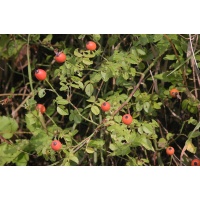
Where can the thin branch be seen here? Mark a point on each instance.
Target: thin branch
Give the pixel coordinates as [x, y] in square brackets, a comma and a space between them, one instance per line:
[136, 87]
[196, 65]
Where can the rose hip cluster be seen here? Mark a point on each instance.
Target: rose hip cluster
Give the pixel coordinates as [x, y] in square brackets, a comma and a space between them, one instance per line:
[41, 75]
[126, 119]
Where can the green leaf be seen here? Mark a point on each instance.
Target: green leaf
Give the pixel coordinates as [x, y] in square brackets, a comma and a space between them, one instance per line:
[123, 150]
[184, 104]
[40, 141]
[141, 52]
[105, 76]
[139, 106]
[157, 37]
[169, 136]
[157, 105]
[41, 92]
[89, 54]
[97, 143]
[80, 84]
[61, 111]
[89, 150]
[147, 128]
[120, 149]
[35, 37]
[7, 135]
[112, 39]
[162, 46]
[162, 143]
[77, 54]
[92, 99]
[132, 72]
[118, 118]
[89, 89]
[170, 57]
[87, 61]
[146, 106]
[193, 134]
[192, 109]
[190, 147]
[14, 46]
[95, 77]
[8, 153]
[22, 159]
[96, 37]
[125, 75]
[192, 121]
[8, 126]
[31, 102]
[74, 116]
[47, 39]
[61, 101]
[146, 143]
[95, 110]
[73, 158]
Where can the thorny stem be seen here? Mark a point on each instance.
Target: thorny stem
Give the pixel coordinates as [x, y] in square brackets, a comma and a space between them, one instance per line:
[52, 87]
[82, 115]
[137, 86]
[29, 66]
[51, 119]
[86, 140]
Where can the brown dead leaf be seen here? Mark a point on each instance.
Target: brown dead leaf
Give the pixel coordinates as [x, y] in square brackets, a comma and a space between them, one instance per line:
[21, 60]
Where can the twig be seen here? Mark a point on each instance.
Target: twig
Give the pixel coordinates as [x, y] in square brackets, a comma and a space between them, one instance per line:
[170, 41]
[29, 66]
[154, 82]
[11, 94]
[23, 102]
[174, 114]
[130, 96]
[182, 153]
[82, 115]
[136, 87]
[196, 66]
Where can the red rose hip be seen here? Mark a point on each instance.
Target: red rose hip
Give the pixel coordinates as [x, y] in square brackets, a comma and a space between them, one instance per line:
[105, 106]
[56, 145]
[127, 119]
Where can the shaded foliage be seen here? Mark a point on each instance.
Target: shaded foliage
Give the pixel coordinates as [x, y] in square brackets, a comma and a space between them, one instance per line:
[134, 73]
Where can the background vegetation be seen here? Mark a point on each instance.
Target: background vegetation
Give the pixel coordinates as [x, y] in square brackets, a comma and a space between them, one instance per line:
[135, 73]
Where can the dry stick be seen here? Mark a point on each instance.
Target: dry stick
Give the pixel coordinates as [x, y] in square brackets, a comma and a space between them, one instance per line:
[170, 41]
[154, 82]
[182, 153]
[193, 67]
[194, 78]
[161, 126]
[11, 94]
[99, 89]
[192, 62]
[23, 102]
[174, 114]
[184, 37]
[4, 140]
